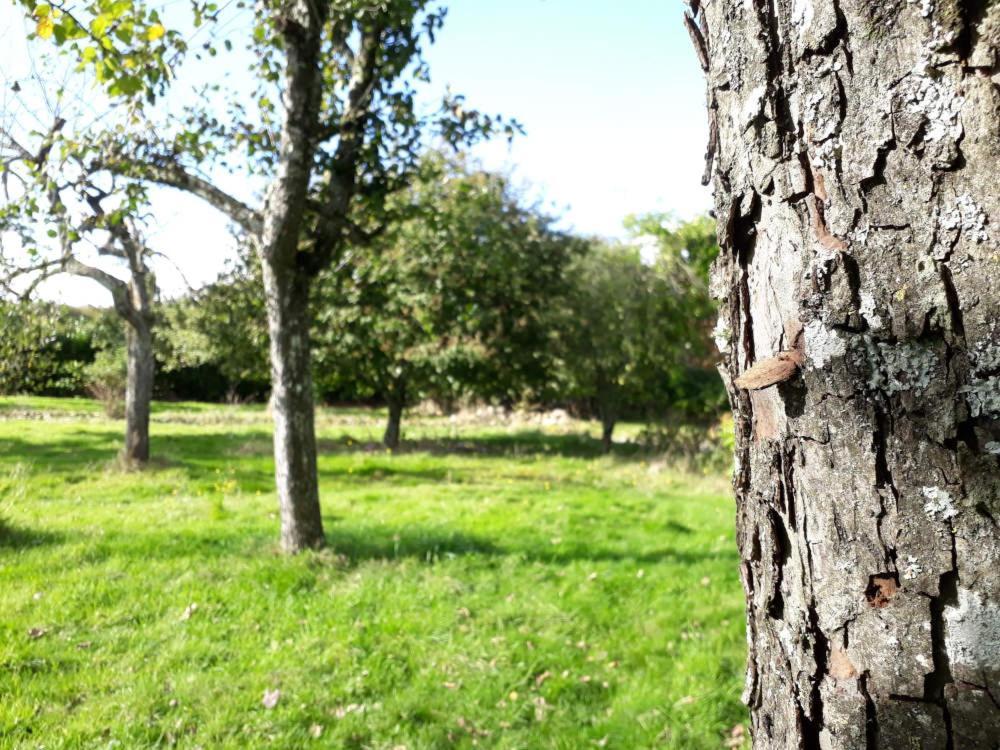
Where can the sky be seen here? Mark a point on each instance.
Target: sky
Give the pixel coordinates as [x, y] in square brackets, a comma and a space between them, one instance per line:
[609, 92]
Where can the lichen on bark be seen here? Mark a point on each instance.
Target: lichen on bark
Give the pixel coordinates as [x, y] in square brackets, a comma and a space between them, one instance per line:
[853, 155]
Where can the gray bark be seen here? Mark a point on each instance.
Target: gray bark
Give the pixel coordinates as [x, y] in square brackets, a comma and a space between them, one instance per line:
[133, 302]
[138, 393]
[287, 283]
[854, 148]
[293, 409]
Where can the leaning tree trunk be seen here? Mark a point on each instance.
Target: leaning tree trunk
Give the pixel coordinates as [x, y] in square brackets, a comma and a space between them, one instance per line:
[287, 294]
[138, 391]
[856, 146]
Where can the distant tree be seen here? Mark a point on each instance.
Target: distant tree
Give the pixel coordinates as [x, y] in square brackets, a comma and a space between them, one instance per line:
[600, 330]
[67, 214]
[43, 349]
[679, 357]
[634, 332]
[332, 130]
[223, 325]
[449, 303]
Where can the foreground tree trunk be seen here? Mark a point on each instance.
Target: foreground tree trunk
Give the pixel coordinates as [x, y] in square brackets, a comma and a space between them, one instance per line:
[855, 152]
[287, 295]
[138, 392]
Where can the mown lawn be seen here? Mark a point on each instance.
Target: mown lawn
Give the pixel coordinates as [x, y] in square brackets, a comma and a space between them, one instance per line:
[495, 587]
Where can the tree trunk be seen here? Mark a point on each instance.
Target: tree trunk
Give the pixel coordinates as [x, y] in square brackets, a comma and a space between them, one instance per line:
[138, 392]
[393, 431]
[856, 146]
[287, 294]
[607, 431]
[397, 402]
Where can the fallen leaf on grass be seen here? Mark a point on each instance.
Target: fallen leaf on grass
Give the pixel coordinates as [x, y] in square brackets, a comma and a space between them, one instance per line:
[188, 611]
[736, 736]
[271, 698]
[36, 633]
[315, 731]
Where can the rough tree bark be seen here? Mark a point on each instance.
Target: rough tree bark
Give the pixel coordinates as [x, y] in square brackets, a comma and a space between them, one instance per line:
[855, 149]
[287, 295]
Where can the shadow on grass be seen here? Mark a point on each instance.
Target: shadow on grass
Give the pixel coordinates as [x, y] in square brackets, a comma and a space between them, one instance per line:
[363, 544]
[355, 545]
[17, 537]
[248, 453]
[509, 445]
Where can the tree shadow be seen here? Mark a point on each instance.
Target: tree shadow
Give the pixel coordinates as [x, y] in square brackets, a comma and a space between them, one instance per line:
[361, 544]
[520, 443]
[18, 537]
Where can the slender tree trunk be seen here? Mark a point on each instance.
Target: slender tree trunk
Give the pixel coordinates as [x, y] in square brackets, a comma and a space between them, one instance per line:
[607, 431]
[287, 294]
[138, 392]
[856, 146]
[397, 402]
[393, 430]
[608, 412]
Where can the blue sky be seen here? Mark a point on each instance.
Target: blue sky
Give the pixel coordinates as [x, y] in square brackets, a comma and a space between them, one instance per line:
[609, 92]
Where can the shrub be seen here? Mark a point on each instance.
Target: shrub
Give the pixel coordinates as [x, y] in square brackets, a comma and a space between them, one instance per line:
[106, 378]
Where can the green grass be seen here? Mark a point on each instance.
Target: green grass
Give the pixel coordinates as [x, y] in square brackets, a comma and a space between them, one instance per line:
[499, 587]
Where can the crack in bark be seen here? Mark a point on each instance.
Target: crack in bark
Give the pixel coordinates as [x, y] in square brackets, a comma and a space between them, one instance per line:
[936, 681]
[871, 714]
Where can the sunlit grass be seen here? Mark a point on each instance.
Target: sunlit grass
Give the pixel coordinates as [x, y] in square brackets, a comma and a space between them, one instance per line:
[498, 587]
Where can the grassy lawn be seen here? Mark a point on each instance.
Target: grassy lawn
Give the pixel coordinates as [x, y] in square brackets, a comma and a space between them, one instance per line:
[495, 587]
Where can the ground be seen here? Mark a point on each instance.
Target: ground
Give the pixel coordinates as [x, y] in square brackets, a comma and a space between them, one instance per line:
[492, 586]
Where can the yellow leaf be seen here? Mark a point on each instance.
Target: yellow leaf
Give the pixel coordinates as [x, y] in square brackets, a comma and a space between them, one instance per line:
[155, 31]
[45, 27]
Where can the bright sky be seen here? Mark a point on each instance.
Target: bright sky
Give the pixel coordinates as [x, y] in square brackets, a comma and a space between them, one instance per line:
[609, 92]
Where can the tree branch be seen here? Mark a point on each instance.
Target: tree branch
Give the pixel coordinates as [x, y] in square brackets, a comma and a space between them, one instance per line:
[171, 174]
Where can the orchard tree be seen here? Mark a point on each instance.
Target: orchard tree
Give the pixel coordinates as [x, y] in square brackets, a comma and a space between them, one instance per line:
[452, 302]
[678, 358]
[223, 325]
[60, 210]
[600, 330]
[853, 151]
[43, 348]
[332, 130]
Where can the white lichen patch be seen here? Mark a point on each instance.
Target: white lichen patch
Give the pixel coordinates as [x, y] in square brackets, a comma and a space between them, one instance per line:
[938, 103]
[939, 506]
[983, 396]
[802, 15]
[972, 631]
[967, 217]
[868, 312]
[926, 7]
[901, 367]
[912, 568]
[722, 334]
[823, 345]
